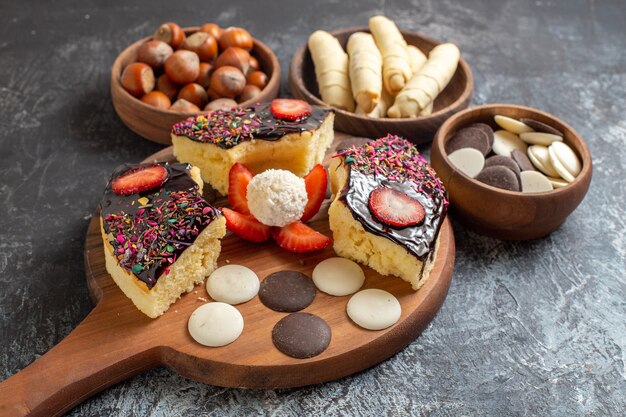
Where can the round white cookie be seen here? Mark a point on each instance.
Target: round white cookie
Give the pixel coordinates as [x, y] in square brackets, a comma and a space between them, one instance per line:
[469, 161]
[374, 309]
[215, 324]
[232, 284]
[534, 182]
[562, 155]
[512, 125]
[538, 155]
[338, 276]
[540, 138]
[504, 142]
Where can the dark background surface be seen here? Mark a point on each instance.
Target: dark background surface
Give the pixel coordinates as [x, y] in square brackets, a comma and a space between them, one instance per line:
[528, 328]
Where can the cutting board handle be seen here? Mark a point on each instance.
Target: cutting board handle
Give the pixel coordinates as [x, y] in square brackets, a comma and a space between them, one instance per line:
[87, 361]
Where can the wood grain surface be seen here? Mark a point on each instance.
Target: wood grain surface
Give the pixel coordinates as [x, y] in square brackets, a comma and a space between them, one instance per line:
[454, 97]
[116, 341]
[155, 124]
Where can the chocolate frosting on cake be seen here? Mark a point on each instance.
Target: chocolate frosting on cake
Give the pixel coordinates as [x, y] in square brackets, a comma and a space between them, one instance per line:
[150, 230]
[228, 128]
[395, 163]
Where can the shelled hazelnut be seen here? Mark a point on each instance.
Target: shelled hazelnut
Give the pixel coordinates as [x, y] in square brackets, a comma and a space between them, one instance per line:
[189, 72]
[138, 79]
[228, 81]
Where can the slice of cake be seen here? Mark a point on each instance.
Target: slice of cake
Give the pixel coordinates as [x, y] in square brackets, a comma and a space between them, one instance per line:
[388, 208]
[284, 134]
[160, 236]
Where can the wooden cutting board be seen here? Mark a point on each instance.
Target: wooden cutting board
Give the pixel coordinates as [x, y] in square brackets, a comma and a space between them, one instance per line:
[116, 341]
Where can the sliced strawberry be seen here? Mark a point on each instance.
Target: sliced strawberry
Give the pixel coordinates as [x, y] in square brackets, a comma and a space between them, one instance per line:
[246, 226]
[238, 178]
[315, 182]
[140, 179]
[395, 208]
[298, 237]
[290, 109]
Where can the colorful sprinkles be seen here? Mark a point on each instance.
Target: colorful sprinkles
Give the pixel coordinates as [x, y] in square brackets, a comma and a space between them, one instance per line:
[397, 160]
[149, 232]
[228, 128]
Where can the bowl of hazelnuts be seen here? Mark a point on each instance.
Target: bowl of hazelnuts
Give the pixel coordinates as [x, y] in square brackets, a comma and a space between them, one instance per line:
[178, 72]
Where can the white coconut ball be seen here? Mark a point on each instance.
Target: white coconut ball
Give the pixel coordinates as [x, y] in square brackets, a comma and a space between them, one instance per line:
[277, 197]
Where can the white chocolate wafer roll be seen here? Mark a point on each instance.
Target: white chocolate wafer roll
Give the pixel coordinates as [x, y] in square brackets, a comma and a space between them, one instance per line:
[331, 70]
[429, 81]
[366, 65]
[386, 100]
[417, 59]
[393, 48]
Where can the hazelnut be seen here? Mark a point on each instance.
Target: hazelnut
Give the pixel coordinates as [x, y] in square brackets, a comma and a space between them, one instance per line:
[234, 57]
[138, 79]
[183, 67]
[204, 78]
[212, 95]
[183, 106]
[249, 92]
[194, 93]
[154, 53]
[221, 104]
[157, 99]
[228, 81]
[167, 86]
[254, 64]
[213, 29]
[234, 36]
[257, 78]
[202, 43]
[171, 34]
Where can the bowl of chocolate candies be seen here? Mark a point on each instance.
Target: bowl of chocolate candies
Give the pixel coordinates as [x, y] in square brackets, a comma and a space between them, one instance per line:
[177, 72]
[511, 172]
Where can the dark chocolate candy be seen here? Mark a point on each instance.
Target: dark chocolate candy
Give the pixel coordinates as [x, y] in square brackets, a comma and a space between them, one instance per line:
[469, 137]
[502, 160]
[287, 291]
[485, 128]
[499, 176]
[522, 160]
[540, 126]
[301, 335]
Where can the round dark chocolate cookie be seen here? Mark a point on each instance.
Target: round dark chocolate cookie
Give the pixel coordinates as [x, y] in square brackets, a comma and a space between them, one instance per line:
[501, 160]
[301, 335]
[540, 126]
[485, 128]
[287, 291]
[469, 137]
[499, 176]
[522, 160]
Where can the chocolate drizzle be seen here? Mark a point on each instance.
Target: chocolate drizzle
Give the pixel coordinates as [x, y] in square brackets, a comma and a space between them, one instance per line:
[149, 231]
[228, 128]
[395, 163]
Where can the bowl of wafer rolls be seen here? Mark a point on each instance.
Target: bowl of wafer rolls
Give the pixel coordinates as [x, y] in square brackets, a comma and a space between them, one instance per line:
[380, 79]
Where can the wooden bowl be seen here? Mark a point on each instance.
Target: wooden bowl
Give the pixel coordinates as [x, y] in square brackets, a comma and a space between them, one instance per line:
[454, 97]
[500, 213]
[155, 124]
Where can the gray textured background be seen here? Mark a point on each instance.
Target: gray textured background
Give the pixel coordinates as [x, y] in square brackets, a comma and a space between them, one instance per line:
[530, 328]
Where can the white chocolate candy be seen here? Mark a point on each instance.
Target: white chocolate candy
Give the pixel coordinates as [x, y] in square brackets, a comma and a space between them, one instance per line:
[232, 284]
[215, 324]
[374, 309]
[557, 182]
[540, 138]
[538, 155]
[469, 161]
[567, 158]
[504, 142]
[534, 182]
[512, 125]
[338, 276]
